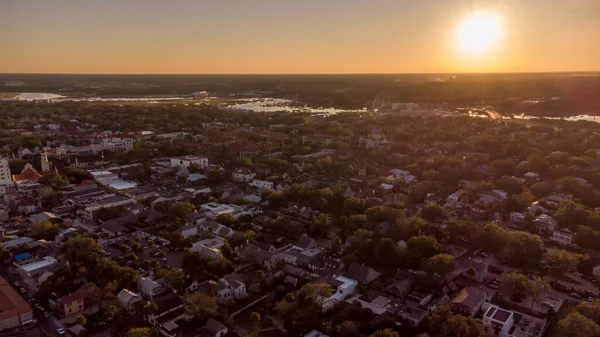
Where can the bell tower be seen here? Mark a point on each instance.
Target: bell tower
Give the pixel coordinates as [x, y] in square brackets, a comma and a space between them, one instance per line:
[45, 163]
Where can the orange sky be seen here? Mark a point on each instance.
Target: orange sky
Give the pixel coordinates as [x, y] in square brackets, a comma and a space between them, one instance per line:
[286, 36]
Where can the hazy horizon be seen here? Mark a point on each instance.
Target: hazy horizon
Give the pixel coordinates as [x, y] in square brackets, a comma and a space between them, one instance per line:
[270, 37]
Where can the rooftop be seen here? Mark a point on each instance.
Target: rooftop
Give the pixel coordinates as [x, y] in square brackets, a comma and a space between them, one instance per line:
[11, 303]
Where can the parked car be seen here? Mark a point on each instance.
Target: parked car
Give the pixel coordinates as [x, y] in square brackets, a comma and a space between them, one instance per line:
[575, 295]
[46, 314]
[61, 331]
[23, 290]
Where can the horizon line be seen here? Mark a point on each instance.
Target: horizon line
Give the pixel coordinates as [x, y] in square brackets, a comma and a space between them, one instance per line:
[311, 74]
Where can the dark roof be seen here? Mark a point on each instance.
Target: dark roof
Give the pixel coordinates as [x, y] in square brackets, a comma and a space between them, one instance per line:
[305, 242]
[213, 326]
[168, 302]
[501, 315]
[469, 296]
[120, 224]
[362, 274]
[153, 214]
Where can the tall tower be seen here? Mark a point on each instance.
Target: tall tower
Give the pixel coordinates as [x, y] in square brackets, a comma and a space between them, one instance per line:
[45, 163]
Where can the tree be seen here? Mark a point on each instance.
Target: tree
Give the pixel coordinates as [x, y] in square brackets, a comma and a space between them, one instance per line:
[443, 323]
[202, 306]
[175, 278]
[44, 230]
[540, 189]
[525, 249]
[432, 212]
[577, 325]
[139, 332]
[226, 219]
[179, 209]
[81, 250]
[440, 264]
[420, 247]
[385, 333]
[560, 261]
[471, 272]
[511, 283]
[112, 310]
[348, 329]
[494, 237]
[354, 206]
[149, 308]
[81, 320]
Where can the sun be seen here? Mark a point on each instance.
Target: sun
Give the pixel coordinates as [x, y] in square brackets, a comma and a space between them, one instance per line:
[479, 32]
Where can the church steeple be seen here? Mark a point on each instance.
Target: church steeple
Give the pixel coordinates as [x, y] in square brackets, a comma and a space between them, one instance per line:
[45, 163]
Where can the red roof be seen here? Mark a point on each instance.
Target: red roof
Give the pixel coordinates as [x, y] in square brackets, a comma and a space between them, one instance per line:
[27, 174]
[11, 303]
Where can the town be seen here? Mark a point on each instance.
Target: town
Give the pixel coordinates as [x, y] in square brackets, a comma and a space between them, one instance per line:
[151, 220]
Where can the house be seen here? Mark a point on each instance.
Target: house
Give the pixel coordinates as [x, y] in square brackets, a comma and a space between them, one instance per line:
[401, 285]
[343, 288]
[498, 322]
[35, 271]
[213, 328]
[305, 242]
[563, 236]
[243, 175]
[231, 287]
[479, 265]
[195, 218]
[223, 231]
[77, 331]
[69, 304]
[262, 184]
[469, 300]
[362, 274]
[186, 161]
[375, 301]
[545, 223]
[128, 299]
[14, 310]
[150, 288]
[171, 316]
[455, 197]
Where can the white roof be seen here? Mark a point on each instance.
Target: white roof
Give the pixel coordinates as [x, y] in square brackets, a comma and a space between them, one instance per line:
[47, 261]
[16, 242]
[128, 296]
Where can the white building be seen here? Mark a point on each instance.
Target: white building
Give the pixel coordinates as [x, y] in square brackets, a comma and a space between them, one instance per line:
[262, 184]
[455, 197]
[6, 183]
[213, 209]
[344, 287]
[149, 288]
[186, 161]
[498, 322]
[118, 144]
[562, 236]
[243, 176]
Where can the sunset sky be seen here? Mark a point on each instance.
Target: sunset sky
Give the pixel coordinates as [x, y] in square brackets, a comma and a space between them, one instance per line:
[293, 36]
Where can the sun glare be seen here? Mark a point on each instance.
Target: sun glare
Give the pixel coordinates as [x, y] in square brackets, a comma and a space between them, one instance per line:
[479, 32]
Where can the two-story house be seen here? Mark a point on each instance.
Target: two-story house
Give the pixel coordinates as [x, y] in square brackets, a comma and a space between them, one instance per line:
[149, 288]
[243, 175]
[563, 236]
[230, 288]
[469, 300]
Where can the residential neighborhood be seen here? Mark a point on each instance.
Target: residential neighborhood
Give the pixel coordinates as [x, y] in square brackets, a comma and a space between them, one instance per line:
[296, 225]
